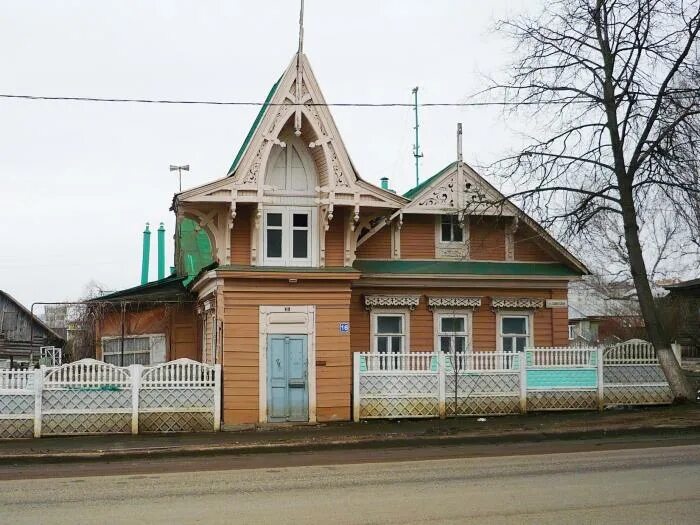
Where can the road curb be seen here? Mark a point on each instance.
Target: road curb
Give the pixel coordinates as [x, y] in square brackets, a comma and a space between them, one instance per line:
[339, 444]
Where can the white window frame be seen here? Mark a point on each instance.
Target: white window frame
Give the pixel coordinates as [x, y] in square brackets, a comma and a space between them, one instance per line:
[572, 332]
[528, 315]
[453, 218]
[451, 249]
[406, 314]
[153, 357]
[287, 229]
[439, 313]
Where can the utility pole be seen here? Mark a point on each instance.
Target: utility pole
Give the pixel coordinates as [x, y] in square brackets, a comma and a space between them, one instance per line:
[416, 147]
[179, 170]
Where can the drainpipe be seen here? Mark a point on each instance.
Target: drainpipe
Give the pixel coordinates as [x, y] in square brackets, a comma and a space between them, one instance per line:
[146, 254]
[161, 251]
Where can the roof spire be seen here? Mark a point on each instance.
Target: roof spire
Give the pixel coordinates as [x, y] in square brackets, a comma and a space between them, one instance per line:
[297, 112]
[459, 142]
[301, 31]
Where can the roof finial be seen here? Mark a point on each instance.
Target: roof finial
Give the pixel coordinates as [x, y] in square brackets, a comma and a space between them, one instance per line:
[459, 142]
[301, 30]
[298, 101]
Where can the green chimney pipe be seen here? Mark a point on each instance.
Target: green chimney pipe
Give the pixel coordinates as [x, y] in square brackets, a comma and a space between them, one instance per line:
[384, 182]
[161, 251]
[146, 254]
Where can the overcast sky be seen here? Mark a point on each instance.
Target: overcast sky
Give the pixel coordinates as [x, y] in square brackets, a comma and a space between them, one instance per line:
[79, 180]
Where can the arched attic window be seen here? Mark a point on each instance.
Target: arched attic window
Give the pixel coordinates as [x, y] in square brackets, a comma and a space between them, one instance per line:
[291, 168]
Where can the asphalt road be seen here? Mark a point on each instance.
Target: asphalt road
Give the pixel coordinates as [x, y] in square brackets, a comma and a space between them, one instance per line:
[636, 485]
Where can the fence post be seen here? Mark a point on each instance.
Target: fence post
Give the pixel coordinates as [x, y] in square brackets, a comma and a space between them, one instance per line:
[356, 387]
[217, 397]
[522, 364]
[442, 379]
[38, 392]
[135, 373]
[600, 356]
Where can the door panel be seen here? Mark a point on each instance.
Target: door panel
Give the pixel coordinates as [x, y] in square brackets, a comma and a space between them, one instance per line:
[288, 395]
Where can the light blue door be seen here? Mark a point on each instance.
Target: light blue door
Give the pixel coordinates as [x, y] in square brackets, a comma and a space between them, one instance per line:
[287, 385]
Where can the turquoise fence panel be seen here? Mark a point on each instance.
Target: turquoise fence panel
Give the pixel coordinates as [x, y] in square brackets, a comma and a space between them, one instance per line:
[363, 364]
[562, 378]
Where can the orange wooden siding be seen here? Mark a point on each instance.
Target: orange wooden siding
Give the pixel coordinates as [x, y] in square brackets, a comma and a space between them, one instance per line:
[376, 247]
[177, 323]
[528, 246]
[240, 236]
[487, 238]
[418, 237]
[242, 299]
[550, 324]
[335, 240]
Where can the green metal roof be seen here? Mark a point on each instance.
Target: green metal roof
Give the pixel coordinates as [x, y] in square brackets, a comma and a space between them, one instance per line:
[256, 122]
[417, 189]
[516, 269]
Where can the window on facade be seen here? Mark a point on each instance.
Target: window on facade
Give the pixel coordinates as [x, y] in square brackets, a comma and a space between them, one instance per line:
[137, 351]
[515, 333]
[288, 237]
[451, 229]
[572, 332]
[288, 171]
[389, 333]
[452, 333]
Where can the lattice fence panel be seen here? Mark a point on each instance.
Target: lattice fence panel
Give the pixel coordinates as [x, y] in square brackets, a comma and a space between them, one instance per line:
[631, 374]
[562, 400]
[17, 404]
[86, 399]
[16, 428]
[468, 384]
[399, 407]
[385, 384]
[480, 406]
[110, 423]
[86, 411]
[638, 395]
[176, 421]
[174, 409]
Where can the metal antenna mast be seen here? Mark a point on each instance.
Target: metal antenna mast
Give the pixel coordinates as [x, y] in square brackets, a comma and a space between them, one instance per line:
[416, 147]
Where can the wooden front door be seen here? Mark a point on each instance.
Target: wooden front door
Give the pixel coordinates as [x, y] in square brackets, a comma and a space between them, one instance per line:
[287, 385]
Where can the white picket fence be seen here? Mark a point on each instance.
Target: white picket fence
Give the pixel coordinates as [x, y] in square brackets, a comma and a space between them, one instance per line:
[427, 384]
[91, 397]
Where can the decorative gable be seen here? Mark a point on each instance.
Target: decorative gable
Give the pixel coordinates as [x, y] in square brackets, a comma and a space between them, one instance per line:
[455, 189]
[295, 102]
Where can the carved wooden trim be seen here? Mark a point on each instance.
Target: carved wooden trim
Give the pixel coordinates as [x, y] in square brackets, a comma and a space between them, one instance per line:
[392, 301]
[516, 302]
[454, 302]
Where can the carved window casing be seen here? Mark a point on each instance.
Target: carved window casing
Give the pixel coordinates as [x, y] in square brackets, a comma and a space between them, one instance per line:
[451, 237]
[516, 302]
[391, 301]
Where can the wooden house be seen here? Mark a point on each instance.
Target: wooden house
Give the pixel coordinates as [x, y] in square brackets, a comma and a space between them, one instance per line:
[313, 263]
[22, 333]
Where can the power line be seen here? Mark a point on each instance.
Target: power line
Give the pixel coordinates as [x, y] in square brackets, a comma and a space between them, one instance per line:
[251, 103]
[560, 102]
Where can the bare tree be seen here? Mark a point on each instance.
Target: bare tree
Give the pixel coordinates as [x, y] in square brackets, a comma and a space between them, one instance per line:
[607, 84]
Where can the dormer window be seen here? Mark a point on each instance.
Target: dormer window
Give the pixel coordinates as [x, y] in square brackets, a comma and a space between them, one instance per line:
[451, 229]
[451, 237]
[287, 236]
